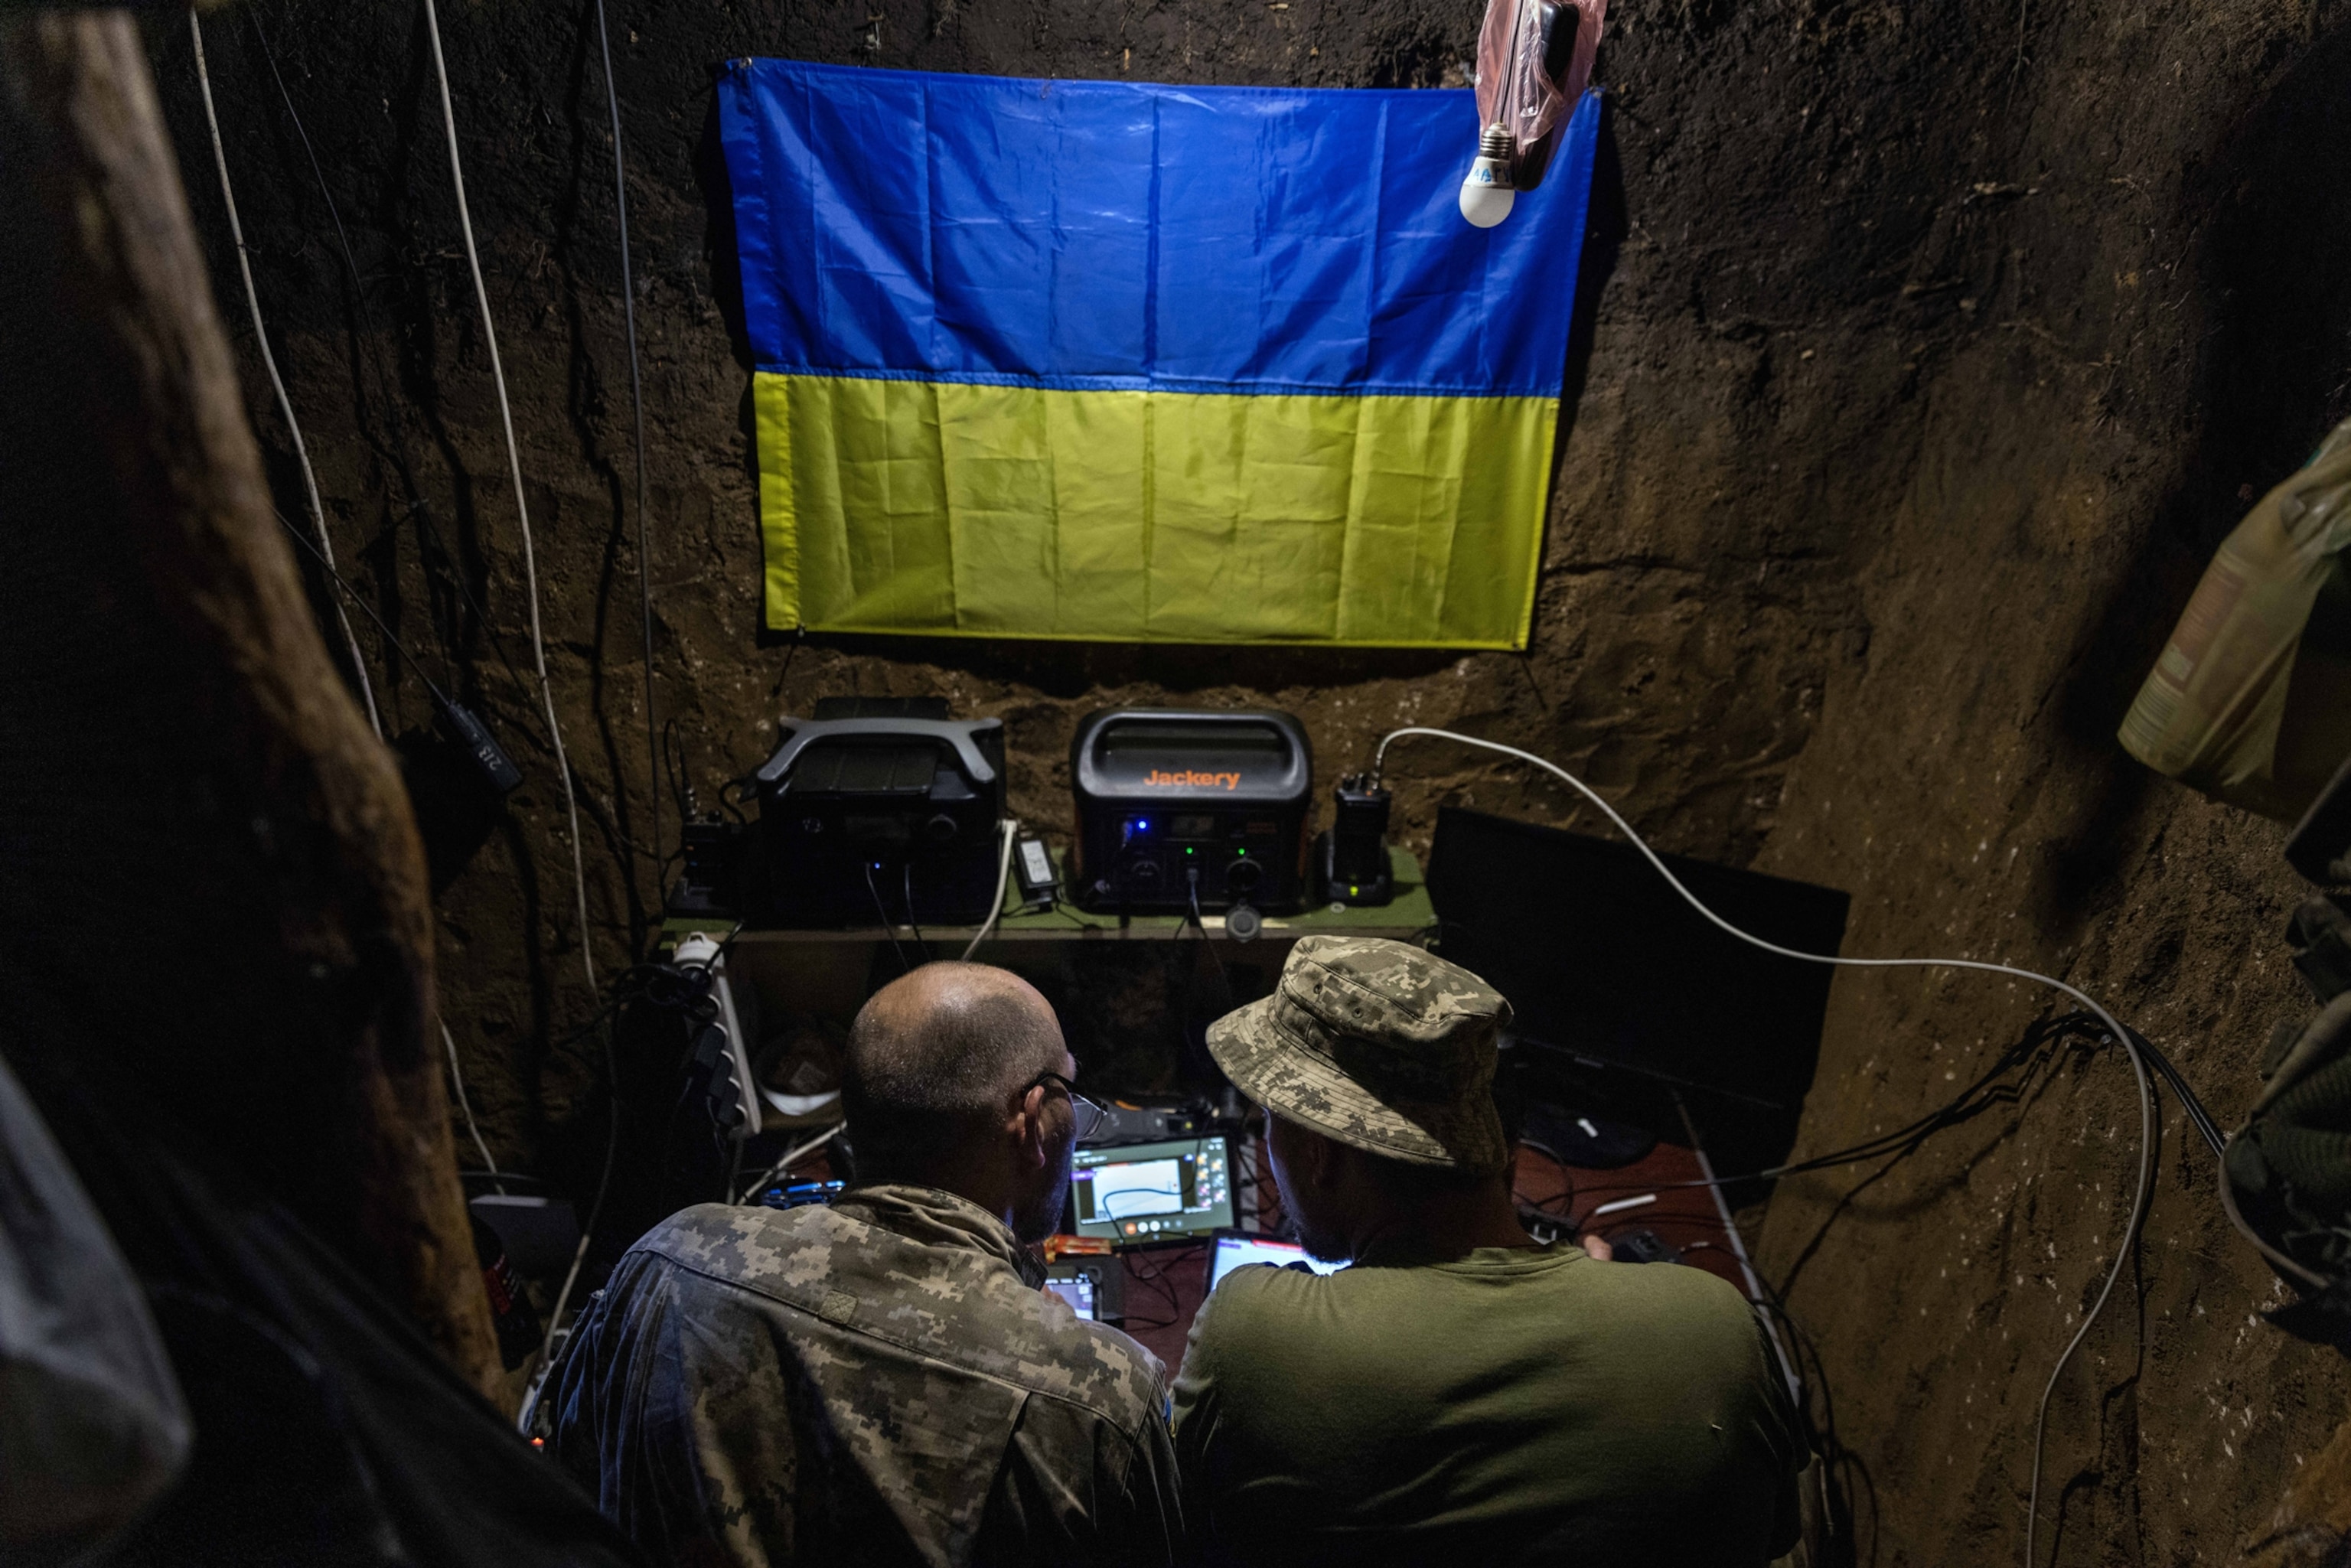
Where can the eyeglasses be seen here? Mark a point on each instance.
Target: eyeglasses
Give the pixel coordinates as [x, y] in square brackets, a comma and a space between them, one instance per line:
[1091, 1114]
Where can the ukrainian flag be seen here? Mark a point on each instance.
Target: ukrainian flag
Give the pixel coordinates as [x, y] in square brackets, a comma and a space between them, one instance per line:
[1127, 362]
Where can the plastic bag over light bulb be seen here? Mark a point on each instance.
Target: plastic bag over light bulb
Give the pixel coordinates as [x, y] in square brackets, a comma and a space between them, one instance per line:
[1533, 60]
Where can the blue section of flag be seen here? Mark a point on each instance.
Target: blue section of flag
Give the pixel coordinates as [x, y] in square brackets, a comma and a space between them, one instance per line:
[1110, 236]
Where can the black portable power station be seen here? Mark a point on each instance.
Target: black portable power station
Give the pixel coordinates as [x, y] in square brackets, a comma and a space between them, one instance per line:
[1176, 805]
[878, 811]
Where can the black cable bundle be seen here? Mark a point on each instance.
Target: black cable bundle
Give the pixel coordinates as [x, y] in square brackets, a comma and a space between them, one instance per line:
[2031, 1052]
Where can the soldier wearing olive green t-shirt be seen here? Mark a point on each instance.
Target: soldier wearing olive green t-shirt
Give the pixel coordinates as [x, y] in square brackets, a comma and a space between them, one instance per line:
[1460, 1394]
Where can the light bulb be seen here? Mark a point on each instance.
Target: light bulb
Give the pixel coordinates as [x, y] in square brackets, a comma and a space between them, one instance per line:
[1486, 194]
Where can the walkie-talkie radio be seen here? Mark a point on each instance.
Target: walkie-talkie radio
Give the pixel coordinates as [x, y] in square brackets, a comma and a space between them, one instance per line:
[1351, 857]
[1186, 807]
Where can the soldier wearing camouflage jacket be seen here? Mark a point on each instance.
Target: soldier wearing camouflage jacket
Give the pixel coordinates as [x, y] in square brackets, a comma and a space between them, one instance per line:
[883, 1381]
[871, 1382]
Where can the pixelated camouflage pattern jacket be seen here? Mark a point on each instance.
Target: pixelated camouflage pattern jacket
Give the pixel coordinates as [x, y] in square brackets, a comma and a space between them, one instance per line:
[870, 1383]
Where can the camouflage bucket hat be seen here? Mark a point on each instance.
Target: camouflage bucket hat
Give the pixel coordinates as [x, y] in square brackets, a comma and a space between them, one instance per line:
[1377, 1044]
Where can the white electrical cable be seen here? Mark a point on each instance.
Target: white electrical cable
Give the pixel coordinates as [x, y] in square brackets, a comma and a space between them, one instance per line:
[2146, 1107]
[637, 402]
[791, 1157]
[457, 1077]
[563, 1297]
[1756, 1295]
[1621, 1205]
[1011, 830]
[269, 363]
[522, 506]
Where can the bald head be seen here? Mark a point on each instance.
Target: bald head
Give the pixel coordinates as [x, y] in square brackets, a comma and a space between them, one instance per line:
[934, 1056]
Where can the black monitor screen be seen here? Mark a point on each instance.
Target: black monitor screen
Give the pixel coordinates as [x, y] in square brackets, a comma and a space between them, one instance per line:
[1601, 958]
[1140, 1193]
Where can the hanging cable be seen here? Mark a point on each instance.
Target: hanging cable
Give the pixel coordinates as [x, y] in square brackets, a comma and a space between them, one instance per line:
[1224, 977]
[428, 537]
[363, 363]
[342, 583]
[906, 886]
[595, 1210]
[889, 927]
[2128, 1042]
[2028, 1053]
[522, 506]
[269, 363]
[637, 403]
[2198, 1116]
[1738, 1247]
[1010, 831]
[457, 1077]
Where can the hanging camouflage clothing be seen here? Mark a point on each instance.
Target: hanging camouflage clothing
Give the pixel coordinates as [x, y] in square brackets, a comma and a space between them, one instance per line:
[2286, 1180]
[871, 1382]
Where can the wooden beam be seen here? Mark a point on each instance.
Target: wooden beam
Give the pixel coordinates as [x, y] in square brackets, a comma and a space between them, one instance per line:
[260, 892]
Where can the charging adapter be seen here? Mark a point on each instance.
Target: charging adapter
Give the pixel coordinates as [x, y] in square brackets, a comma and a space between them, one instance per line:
[1032, 864]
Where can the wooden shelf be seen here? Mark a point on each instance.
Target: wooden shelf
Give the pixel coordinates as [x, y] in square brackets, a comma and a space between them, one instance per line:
[1406, 918]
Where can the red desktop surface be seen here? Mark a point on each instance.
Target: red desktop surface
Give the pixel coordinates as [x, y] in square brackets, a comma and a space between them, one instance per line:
[1164, 1286]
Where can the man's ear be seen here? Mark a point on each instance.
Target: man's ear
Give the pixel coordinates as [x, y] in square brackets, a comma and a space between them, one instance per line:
[1324, 1159]
[1028, 1128]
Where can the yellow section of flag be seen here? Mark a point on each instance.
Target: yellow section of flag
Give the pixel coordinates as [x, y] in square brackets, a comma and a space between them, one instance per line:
[948, 508]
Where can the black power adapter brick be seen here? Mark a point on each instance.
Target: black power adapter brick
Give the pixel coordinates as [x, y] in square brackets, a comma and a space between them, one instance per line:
[1351, 858]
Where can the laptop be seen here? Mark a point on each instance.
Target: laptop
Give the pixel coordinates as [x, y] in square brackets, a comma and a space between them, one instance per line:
[1240, 1248]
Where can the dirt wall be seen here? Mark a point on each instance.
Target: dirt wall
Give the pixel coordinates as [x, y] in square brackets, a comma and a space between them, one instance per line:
[1928, 352]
